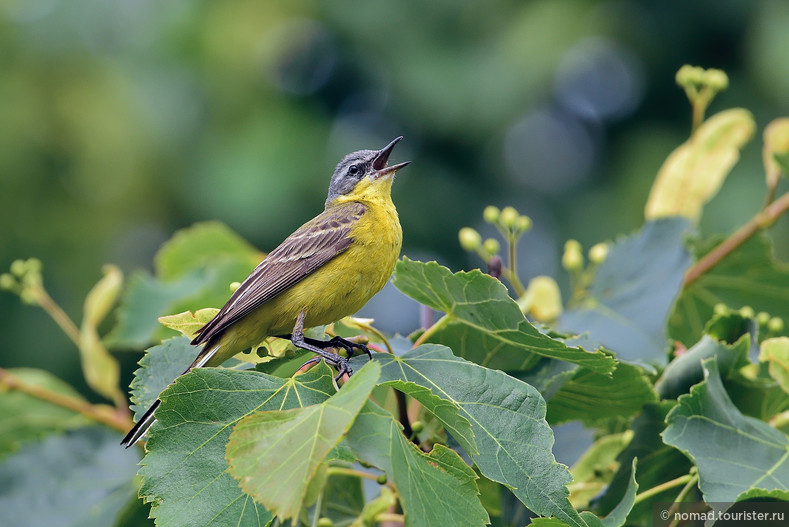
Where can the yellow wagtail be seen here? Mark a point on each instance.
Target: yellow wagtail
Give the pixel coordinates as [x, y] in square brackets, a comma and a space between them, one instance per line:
[328, 269]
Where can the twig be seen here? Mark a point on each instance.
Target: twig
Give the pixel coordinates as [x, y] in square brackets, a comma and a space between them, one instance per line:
[763, 219]
[657, 489]
[96, 413]
[681, 496]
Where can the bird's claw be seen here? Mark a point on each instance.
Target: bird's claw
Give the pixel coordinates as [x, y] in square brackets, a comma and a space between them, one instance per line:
[349, 346]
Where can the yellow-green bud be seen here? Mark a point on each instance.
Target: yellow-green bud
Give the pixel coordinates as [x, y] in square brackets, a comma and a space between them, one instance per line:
[417, 427]
[509, 217]
[325, 522]
[598, 253]
[747, 312]
[470, 239]
[234, 286]
[573, 258]
[7, 281]
[720, 309]
[688, 75]
[491, 214]
[18, 267]
[716, 79]
[776, 325]
[542, 299]
[29, 296]
[763, 318]
[381, 479]
[491, 246]
[524, 223]
[33, 265]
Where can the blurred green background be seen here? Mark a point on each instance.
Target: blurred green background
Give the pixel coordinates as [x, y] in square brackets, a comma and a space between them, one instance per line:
[122, 121]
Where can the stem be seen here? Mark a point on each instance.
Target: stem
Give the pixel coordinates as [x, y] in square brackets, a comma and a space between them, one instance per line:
[681, 497]
[662, 487]
[96, 413]
[318, 505]
[443, 321]
[390, 517]
[344, 471]
[763, 219]
[512, 271]
[58, 315]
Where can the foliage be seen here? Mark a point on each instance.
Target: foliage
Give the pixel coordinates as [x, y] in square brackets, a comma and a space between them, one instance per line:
[671, 348]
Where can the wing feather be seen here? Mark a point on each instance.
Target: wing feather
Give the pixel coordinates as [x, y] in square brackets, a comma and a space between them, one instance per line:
[311, 246]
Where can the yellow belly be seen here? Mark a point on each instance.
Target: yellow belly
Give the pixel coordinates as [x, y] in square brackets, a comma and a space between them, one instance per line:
[339, 288]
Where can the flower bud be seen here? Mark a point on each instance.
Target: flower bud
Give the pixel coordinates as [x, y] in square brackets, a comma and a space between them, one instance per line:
[689, 75]
[325, 522]
[542, 299]
[776, 325]
[716, 79]
[573, 258]
[747, 312]
[18, 267]
[491, 214]
[491, 246]
[494, 266]
[524, 223]
[763, 317]
[509, 217]
[7, 281]
[720, 309]
[470, 239]
[417, 427]
[381, 480]
[234, 286]
[598, 253]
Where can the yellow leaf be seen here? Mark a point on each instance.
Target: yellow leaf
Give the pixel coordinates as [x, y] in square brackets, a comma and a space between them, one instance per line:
[695, 171]
[776, 141]
[101, 370]
[775, 352]
[542, 299]
[187, 322]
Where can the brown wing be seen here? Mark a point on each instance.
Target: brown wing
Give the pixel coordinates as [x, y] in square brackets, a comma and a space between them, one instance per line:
[311, 246]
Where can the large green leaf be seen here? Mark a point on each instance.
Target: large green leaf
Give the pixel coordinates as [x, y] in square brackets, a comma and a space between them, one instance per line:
[185, 472]
[200, 245]
[734, 453]
[275, 454]
[592, 397]
[343, 499]
[480, 312]
[79, 479]
[25, 418]
[507, 417]
[437, 488]
[750, 275]
[627, 306]
[194, 270]
[158, 368]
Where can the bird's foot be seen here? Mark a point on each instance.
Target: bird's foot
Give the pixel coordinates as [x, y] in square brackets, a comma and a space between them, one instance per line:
[340, 364]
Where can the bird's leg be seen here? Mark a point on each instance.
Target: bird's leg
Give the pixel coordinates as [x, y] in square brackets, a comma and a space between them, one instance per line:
[298, 340]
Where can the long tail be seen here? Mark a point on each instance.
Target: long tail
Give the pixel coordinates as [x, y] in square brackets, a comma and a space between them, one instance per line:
[147, 419]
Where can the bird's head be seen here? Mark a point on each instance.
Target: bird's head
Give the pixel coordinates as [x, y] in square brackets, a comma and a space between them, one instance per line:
[364, 172]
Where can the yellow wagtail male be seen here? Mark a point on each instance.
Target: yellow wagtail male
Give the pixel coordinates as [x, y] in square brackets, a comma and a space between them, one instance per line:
[328, 269]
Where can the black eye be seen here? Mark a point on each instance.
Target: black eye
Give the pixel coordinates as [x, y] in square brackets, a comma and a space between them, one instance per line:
[354, 170]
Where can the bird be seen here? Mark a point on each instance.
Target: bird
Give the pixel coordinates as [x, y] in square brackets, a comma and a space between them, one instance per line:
[327, 269]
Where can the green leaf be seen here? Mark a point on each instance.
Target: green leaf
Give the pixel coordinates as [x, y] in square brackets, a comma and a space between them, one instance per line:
[685, 371]
[447, 412]
[593, 397]
[502, 412]
[185, 472]
[188, 323]
[734, 453]
[480, 311]
[200, 245]
[435, 489]
[750, 275]
[776, 353]
[343, 499]
[194, 270]
[79, 479]
[595, 468]
[627, 306]
[274, 454]
[25, 418]
[657, 463]
[158, 368]
[618, 516]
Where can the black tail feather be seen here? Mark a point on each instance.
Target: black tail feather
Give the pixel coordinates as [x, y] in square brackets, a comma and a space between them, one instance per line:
[141, 427]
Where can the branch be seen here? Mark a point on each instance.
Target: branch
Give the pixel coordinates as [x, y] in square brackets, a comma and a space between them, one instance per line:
[99, 414]
[763, 219]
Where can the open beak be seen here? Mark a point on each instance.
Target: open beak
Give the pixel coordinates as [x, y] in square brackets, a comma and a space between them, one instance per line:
[379, 163]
